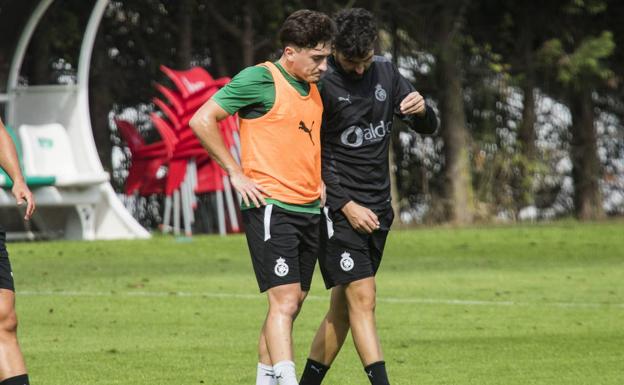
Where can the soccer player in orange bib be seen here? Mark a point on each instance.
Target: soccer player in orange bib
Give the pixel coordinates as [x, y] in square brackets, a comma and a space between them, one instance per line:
[362, 93]
[279, 178]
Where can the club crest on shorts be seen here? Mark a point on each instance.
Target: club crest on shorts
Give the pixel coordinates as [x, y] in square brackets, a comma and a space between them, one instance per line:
[346, 262]
[380, 93]
[281, 268]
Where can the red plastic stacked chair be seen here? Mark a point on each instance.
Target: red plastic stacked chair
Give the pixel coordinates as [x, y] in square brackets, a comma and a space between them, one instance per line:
[191, 170]
[147, 159]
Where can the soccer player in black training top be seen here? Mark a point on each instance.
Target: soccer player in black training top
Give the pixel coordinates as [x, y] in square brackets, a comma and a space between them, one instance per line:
[12, 367]
[361, 93]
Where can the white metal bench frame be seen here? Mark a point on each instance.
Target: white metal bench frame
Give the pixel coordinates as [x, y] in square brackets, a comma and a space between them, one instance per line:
[99, 212]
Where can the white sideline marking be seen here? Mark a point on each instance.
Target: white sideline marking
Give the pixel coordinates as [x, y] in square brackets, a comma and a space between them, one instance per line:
[429, 301]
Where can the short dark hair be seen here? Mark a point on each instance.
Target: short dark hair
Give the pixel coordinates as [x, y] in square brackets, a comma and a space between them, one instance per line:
[306, 29]
[357, 32]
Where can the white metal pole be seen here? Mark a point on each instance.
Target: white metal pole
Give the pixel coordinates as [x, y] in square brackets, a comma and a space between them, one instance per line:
[229, 199]
[176, 212]
[166, 225]
[20, 53]
[220, 213]
[84, 64]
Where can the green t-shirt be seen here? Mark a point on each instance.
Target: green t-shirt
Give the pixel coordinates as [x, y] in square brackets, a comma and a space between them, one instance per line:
[251, 93]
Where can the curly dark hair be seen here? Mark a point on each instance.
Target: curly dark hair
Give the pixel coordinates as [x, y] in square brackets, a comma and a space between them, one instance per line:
[306, 29]
[357, 32]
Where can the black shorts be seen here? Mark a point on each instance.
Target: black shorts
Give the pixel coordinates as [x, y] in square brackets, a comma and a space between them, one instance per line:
[283, 245]
[6, 274]
[347, 255]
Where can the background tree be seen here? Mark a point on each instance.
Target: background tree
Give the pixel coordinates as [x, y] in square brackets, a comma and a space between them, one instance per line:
[530, 102]
[577, 60]
[448, 20]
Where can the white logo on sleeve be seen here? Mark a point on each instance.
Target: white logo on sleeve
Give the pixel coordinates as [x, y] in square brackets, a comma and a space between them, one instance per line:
[346, 263]
[343, 99]
[281, 268]
[380, 93]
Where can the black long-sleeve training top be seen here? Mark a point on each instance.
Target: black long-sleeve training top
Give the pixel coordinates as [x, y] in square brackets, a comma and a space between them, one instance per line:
[355, 135]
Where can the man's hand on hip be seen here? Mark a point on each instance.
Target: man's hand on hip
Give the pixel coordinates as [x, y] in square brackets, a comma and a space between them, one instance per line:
[362, 219]
[248, 189]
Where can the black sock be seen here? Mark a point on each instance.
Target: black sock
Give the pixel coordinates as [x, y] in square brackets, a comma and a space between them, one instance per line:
[376, 373]
[22, 379]
[313, 373]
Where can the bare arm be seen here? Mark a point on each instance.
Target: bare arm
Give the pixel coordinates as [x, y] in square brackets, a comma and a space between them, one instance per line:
[205, 126]
[10, 163]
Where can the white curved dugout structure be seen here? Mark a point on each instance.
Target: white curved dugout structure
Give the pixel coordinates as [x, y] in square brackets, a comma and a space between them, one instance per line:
[87, 206]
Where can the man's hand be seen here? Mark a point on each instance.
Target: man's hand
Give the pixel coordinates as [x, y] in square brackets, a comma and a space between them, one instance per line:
[362, 219]
[22, 195]
[248, 189]
[323, 194]
[413, 104]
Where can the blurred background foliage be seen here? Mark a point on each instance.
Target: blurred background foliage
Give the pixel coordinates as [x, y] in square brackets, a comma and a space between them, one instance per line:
[529, 94]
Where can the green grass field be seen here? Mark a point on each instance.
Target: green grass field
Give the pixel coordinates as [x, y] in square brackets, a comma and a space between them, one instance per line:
[539, 304]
